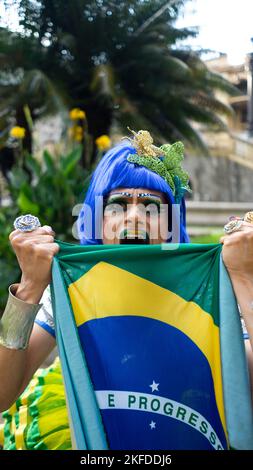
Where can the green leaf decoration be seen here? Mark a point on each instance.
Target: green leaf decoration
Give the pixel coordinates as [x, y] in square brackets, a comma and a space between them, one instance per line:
[174, 154]
[183, 175]
[168, 167]
[179, 190]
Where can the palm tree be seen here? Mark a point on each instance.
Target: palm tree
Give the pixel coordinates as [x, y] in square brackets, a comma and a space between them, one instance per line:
[26, 92]
[118, 60]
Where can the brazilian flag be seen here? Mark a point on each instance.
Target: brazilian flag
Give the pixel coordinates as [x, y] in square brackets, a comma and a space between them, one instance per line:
[151, 348]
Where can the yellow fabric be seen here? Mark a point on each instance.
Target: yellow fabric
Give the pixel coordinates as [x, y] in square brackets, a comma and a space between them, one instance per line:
[12, 412]
[2, 434]
[23, 414]
[19, 433]
[58, 440]
[39, 420]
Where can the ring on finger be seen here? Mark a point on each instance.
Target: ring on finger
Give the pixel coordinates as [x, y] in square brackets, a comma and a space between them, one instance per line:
[248, 217]
[233, 226]
[26, 223]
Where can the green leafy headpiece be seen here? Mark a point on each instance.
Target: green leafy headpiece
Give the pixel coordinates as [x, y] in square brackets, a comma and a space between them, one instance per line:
[166, 161]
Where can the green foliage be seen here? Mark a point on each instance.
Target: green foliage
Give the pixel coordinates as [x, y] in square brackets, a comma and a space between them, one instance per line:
[120, 61]
[9, 269]
[211, 238]
[57, 185]
[50, 191]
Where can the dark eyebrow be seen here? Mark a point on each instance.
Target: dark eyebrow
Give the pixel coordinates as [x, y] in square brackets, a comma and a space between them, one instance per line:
[115, 198]
[150, 200]
[126, 199]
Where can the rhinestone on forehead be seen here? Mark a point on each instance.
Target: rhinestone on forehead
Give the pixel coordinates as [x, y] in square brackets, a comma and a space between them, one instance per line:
[147, 194]
[122, 194]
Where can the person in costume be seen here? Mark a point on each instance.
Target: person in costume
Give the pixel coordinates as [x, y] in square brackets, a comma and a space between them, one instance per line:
[132, 183]
[126, 172]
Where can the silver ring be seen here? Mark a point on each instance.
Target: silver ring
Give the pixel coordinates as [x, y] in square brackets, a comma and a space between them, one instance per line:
[26, 223]
[233, 226]
[248, 217]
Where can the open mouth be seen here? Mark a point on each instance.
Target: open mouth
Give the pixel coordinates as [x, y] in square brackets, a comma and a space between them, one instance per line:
[134, 237]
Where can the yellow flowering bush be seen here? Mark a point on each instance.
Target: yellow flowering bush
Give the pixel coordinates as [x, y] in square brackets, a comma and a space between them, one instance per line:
[76, 133]
[79, 132]
[17, 132]
[103, 142]
[77, 113]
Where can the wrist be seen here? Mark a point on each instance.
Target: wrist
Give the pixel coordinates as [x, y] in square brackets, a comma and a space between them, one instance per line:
[28, 292]
[17, 321]
[241, 279]
[243, 289]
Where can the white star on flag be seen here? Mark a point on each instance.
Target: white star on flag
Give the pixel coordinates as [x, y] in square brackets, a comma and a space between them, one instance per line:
[154, 387]
[152, 425]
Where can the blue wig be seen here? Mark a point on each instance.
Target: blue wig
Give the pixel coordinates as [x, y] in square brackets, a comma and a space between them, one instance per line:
[114, 171]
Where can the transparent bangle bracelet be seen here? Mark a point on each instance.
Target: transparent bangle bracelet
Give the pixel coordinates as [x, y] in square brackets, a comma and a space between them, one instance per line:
[17, 322]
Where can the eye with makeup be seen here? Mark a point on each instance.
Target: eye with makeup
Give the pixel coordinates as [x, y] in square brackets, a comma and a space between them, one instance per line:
[152, 208]
[115, 207]
[149, 206]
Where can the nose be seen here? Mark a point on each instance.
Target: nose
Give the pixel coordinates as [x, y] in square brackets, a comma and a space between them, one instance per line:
[135, 215]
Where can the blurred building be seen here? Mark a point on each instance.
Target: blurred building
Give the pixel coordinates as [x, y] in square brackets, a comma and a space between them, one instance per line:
[227, 174]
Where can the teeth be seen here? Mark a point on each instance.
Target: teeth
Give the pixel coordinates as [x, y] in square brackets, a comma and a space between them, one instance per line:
[134, 234]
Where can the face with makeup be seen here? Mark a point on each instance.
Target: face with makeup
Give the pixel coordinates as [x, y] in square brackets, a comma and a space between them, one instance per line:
[135, 216]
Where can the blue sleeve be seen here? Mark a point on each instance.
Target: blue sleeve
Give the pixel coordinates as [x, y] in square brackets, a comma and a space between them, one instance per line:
[44, 317]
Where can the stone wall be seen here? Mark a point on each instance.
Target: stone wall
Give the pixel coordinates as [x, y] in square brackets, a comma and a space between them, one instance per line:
[216, 178]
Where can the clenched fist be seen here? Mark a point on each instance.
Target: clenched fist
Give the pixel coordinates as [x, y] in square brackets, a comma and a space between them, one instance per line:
[35, 251]
[237, 252]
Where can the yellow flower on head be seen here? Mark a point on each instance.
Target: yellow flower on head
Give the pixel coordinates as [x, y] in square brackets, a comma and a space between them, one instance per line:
[103, 142]
[76, 114]
[17, 132]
